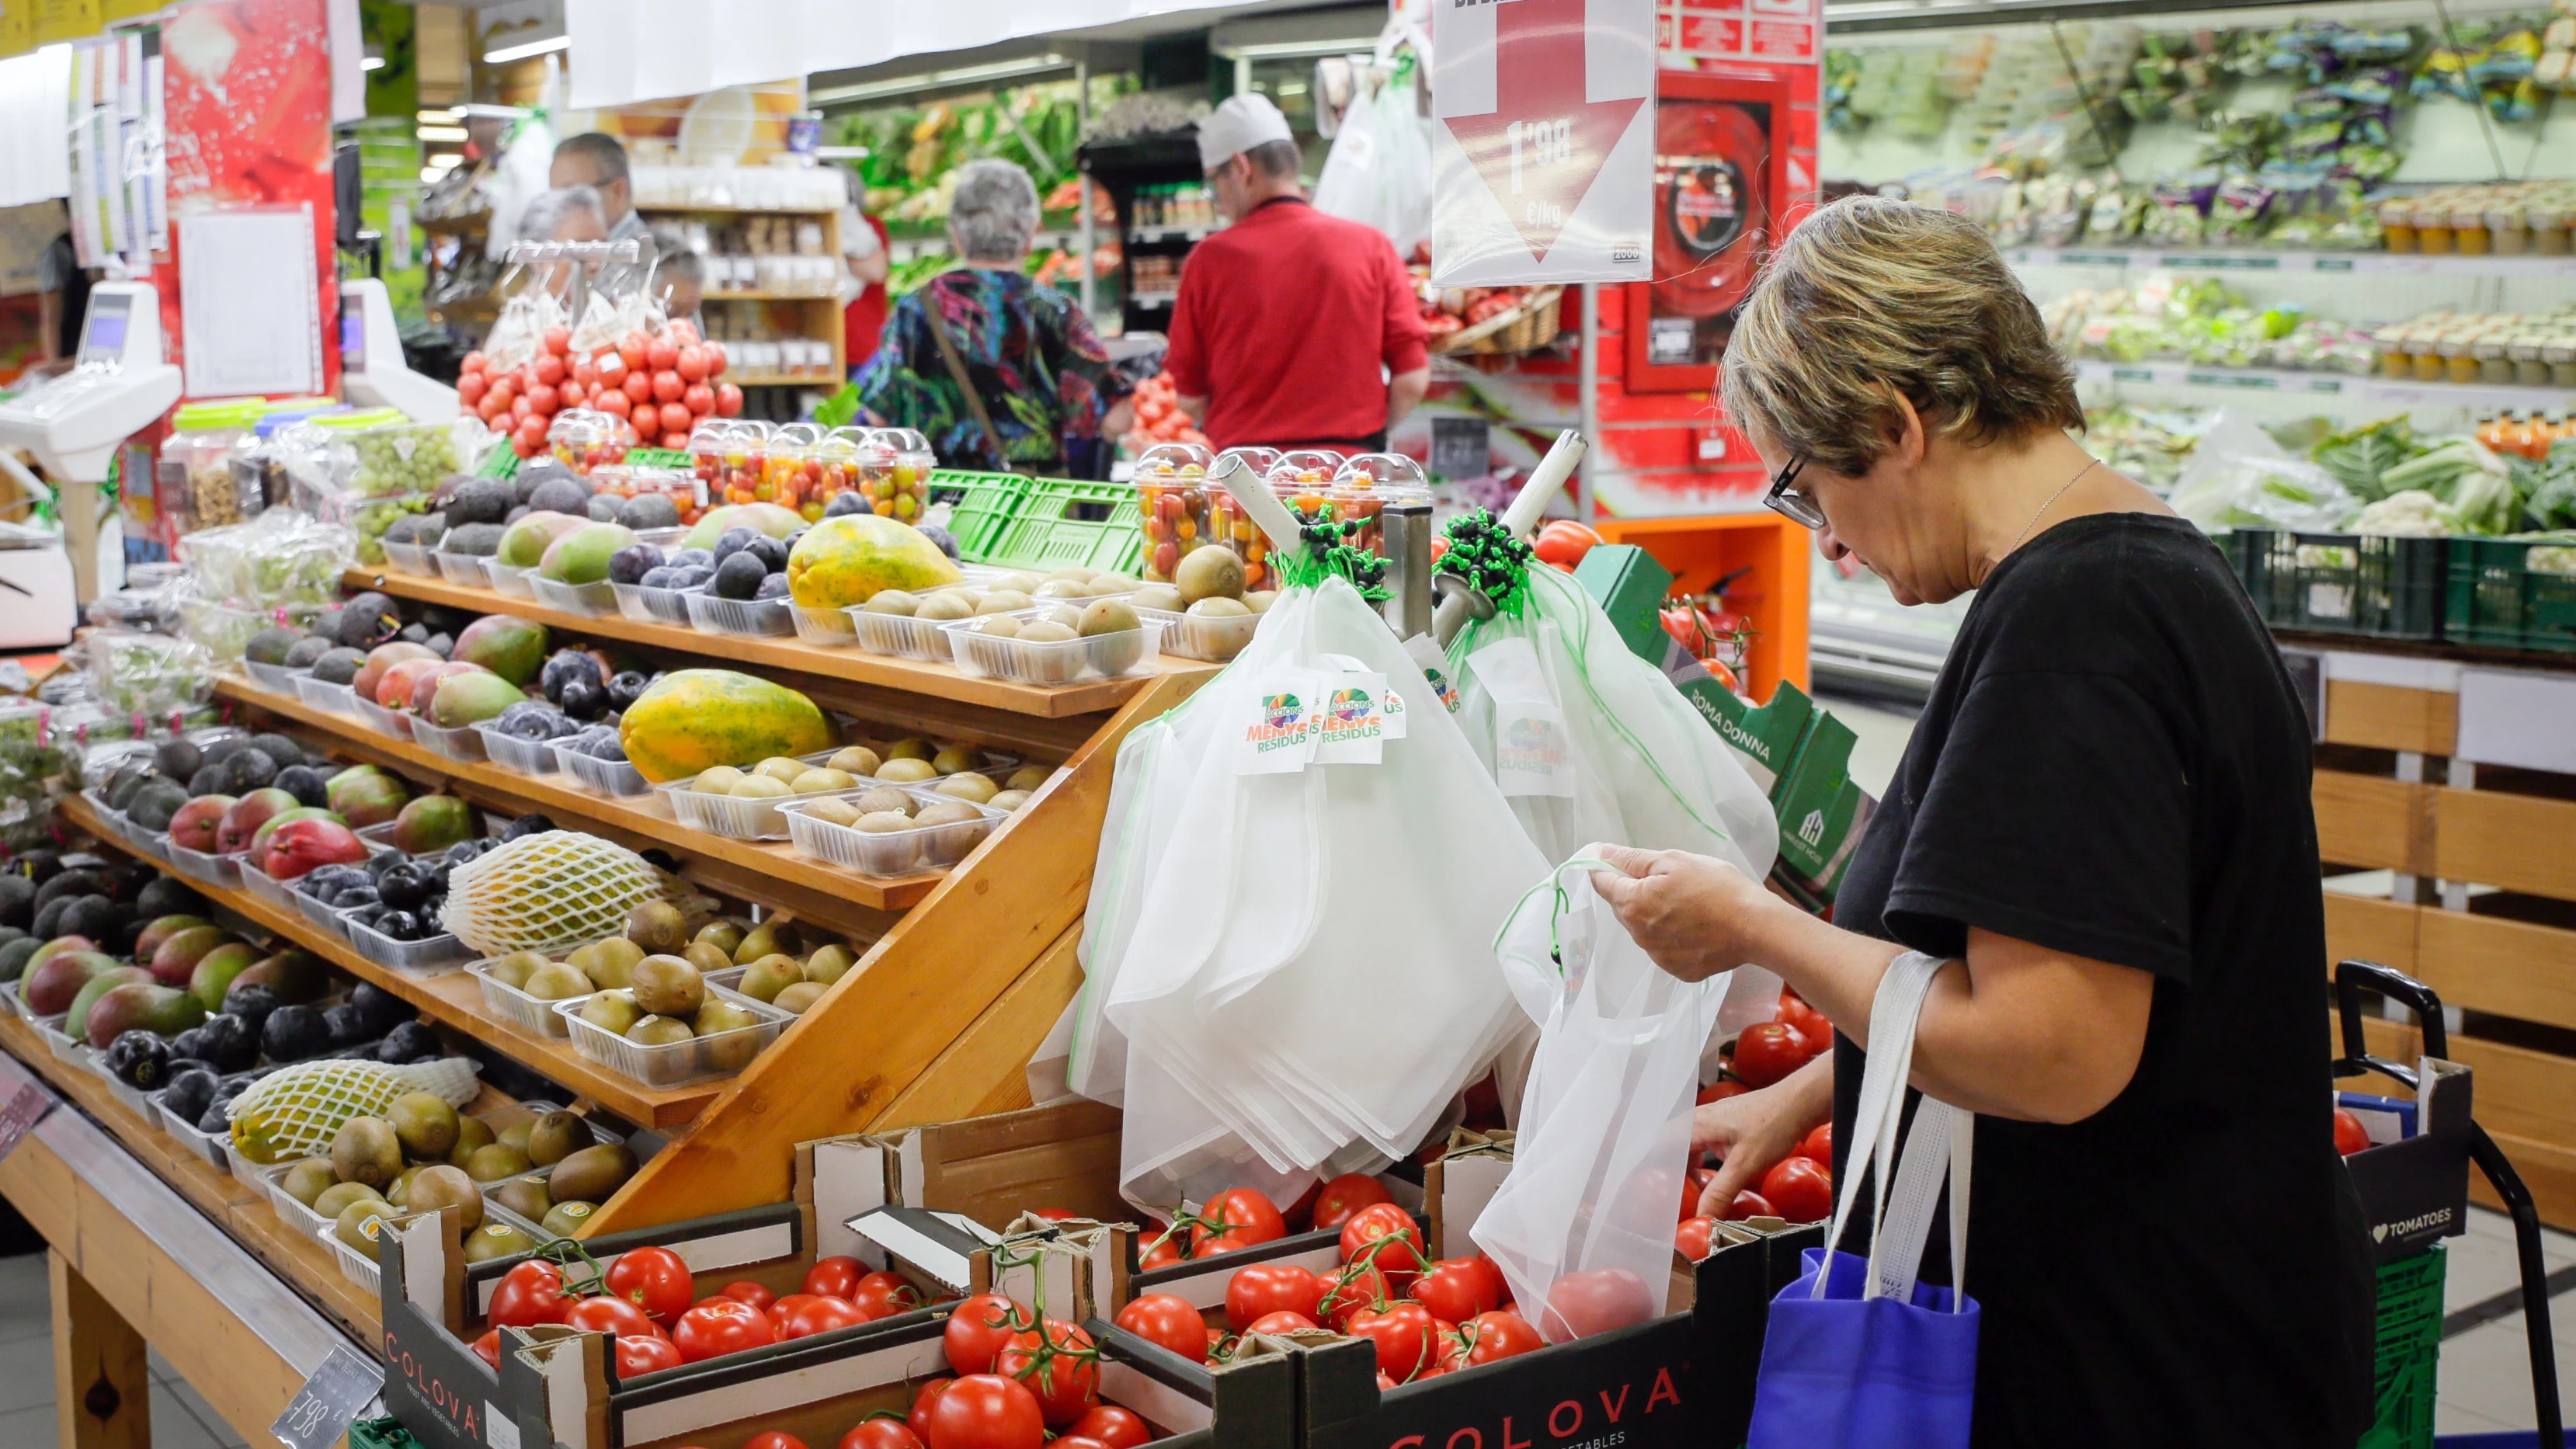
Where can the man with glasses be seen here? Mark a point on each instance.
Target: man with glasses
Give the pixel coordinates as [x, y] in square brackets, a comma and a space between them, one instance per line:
[1293, 329]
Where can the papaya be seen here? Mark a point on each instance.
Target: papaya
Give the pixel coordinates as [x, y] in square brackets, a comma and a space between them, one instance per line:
[852, 558]
[693, 720]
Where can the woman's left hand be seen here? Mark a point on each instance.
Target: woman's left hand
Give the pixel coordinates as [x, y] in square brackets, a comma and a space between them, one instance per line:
[1694, 915]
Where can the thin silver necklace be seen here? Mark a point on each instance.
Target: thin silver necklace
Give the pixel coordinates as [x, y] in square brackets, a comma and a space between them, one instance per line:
[2089, 464]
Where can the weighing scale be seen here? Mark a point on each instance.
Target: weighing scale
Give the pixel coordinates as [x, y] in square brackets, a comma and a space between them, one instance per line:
[372, 370]
[120, 384]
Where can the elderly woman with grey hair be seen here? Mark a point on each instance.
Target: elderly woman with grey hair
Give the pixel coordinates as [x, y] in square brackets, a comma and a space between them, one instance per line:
[998, 372]
[565, 214]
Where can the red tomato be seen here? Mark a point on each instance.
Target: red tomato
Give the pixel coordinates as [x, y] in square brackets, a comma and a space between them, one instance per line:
[470, 388]
[1766, 1053]
[1564, 543]
[569, 393]
[984, 1411]
[749, 1292]
[474, 362]
[1358, 1286]
[639, 1354]
[529, 1294]
[610, 367]
[716, 358]
[655, 1280]
[1720, 1091]
[584, 371]
[662, 355]
[613, 1316]
[885, 1295]
[488, 1348]
[1168, 1320]
[719, 1326]
[676, 419]
[531, 430]
[835, 1277]
[667, 386]
[773, 1439]
[690, 364]
[633, 348]
[1694, 1183]
[882, 1431]
[1267, 1288]
[1750, 1204]
[977, 1329]
[1691, 1238]
[1458, 1289]
[2350, 1137]
[1810, 1023]
[1386, 1235]
[1281, 1323]
[700, 399]
[1111, 1425]
[1239, 1217]
[1346, 1195]
[728, 400]
[1499, 1334]
[558, 341]
[919, 1420]
[815, 1314]
[520, 407]
[501, 390]
[1066, 1378]
[1407, 1338]
[548, 369]
[612, 399]
[1799, 1190]
[681, 331]
[638, 386]
[1582, 1304]
[1818, 1146]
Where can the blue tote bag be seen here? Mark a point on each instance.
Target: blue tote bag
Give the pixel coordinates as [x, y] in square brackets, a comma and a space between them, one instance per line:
[1858, 1354]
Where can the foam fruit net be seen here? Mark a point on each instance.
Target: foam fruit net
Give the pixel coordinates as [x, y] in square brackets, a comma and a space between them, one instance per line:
[295, 1111]
[552, 892]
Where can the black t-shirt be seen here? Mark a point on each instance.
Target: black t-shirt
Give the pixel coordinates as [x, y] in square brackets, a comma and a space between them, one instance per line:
[2113, 764]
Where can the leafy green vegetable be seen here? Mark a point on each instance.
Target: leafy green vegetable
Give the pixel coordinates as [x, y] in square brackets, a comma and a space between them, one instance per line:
[2551, 502]
[2362, 458]
[838, 409]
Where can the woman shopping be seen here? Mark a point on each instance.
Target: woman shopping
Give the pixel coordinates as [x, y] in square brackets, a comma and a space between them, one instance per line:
[997, 371]
[2101, 826]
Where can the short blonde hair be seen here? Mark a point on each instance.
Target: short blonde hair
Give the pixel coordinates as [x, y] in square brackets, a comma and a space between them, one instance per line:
[1869, 299]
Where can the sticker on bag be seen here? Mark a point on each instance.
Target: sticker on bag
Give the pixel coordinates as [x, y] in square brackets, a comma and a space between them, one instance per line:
[1353, 728]
[1435, 670]
[1280, 733]
[1533, 752]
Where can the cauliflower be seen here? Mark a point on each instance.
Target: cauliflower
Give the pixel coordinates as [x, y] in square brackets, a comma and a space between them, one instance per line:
[2413, 513]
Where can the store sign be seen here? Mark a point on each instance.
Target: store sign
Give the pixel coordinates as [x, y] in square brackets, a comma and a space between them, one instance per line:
[1543, 152]
[330, 1400]
[26, 1108]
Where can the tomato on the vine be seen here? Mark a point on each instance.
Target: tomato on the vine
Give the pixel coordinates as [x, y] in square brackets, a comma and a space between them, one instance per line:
[1358, 1286]
[488, 1348]
[1266, 1288]
[883, 1431]
[1799, 1189]
[529, 1294]
[1238, 1217]
[1750, 1204]
[1111, 1425]
[817, 1313]
[1160, 1251]
[720, 1326]
[1065, 1374]
[977, 1329]
[1818, 1146]
[639, 1354]
[773, 1439]
[1811, 1025]
[655, 1280]
[2350, 1136]
[885, 1295]
[1766, 1053]
[1346, 1195]
[1408, 1338]
[835, 1277]
[1281, 1322]
[1694, 1184]
[985, 1411]
[1385, 1234]
[919, 1419]
[1691, 1238]
[1458, 1289]
[1168, 1320]
[613, 1316]
[746, 1291]
[1595, 1301]
[1499, 1334]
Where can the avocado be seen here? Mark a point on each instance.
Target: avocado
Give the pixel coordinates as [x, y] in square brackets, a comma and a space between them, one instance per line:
[71, 883]
[307, 650]
[592, 1174]
[478, 501]
[340, 665]
[368, 620]
[155, 803]
[284, 749]
[294, 1033]
[481, 540]
[163, 896]
[269, 645]
[13, 957]
[17, 900]
[96, 917]
[179, 759]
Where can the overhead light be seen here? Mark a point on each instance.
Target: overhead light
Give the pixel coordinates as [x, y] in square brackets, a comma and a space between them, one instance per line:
[1296, 49]
[436, 118]
[373, 62]
[439, 133]
[429, 175]
[525, 49]
[998, 71]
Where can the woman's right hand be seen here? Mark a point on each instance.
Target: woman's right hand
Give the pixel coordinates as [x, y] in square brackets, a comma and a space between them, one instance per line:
[1754, 1130]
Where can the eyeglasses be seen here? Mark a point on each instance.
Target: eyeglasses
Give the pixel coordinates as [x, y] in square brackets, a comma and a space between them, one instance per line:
[1785, 498]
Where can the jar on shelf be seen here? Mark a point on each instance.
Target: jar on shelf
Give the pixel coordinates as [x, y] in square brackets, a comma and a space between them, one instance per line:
[2495, 367]
[582, 439]
[2397, 224]
[2469, 232]
[2508, 231]
[2549, 233]
[2424, 356]
[2393, 362]
[2529, 368]
[2432, 228]
[1174, 503]
[2560, 353]
[2459, 360]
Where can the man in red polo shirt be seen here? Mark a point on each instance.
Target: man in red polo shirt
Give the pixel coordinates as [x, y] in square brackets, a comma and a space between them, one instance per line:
[1294, 329]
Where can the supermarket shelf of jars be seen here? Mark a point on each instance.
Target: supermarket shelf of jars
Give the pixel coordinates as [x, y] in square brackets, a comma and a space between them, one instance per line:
[2260, 261]
[453, 1000]
[883, 671]
[752, 869]
[2372, 390]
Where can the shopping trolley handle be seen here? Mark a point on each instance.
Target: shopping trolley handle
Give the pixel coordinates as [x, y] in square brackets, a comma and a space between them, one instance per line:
[2354, 976]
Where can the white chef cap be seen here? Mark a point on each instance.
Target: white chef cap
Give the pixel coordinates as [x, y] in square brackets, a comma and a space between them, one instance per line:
[1243, 122]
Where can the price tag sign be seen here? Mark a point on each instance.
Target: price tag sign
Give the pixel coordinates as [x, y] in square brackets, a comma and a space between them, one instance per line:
[1461, 448]
[330, 1400]
[26, 1108]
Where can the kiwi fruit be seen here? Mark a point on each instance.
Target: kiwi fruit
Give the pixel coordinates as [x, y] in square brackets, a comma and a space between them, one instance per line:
[1003, 601]
[439, 1188]
[567, 1219]
[946, 812]
[471, 1133]
[1260, 600]
[816, 782]
[1079, 573]
[761, 787]
[557, 981]
[401, 1186]
[499, 1160]
[856, 760]
[1208, 573]
[834, 812]
[955, 758]
[514, 969]
[515, 1135]
[332, 1200]
[424, 1124]
[1047, 631]
[732, 1049]
[1000, 626]
[594, 1174]
[892, 601]
[726, 935]
[306, 1181]
[706, 956]
[526, 1196]
[359, 1223]
[658, 1031]
[883, 822]
[766, 938]
[763, 979]
[614, 1012]
[829, 963]
[1105, 584]
[1162, 598]
[1062, 589]
[780, 768]
[906, 770]
[496, 1240]
[664, 986]
[1027, 777]
[366, 1151]
[718, 781]
[609, 964]
[946, 607]
[1008, 800]
[977, 788]
[1106, 616]
[794, 999]
[884, 797]
[552, 1138]
[658, 928]
[1220, 608]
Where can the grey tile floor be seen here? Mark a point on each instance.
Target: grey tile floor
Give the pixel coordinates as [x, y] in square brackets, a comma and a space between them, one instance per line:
[180, 1419]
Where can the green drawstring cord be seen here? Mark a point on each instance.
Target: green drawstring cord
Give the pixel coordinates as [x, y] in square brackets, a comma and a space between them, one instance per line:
[1556, 910]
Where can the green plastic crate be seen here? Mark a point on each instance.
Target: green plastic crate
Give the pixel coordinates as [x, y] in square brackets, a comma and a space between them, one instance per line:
[2497, 600]
[1066, 521]
[2409, 1353]
[499, 461]
[981, 507]
[2370, 585]
[384, 1433]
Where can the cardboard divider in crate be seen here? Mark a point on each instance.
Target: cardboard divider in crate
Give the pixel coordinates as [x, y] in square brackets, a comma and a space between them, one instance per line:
[2414, 1177]
[991, 1170]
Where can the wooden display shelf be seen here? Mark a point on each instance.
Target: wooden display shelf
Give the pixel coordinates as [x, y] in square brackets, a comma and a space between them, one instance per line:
[737, 295]
[769, 873]
[945, 681]
[453, 1000]
[783, 379]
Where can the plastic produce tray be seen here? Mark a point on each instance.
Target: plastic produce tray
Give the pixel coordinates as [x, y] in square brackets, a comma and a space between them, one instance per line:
[411, 558]
[591, 601]
[528, 757]
[750, 618]
[337, 698]
[2497, 600]
[275, 678]
[530, 1014]
[895, 853]
[1070, 661]
[463, 568]
[510, 580]
[651, 606]
[327, 917]
[902, 635]
[136, 1100]
[215, 1151]
[677, 1063]
[384, 721]
[18, 1004]
[461, 743]
[828, 628]
[278, 893]
[603, 777]
[430, 956]
[197, 865]
[2368, 585]
[737, 818]
[1195, 636]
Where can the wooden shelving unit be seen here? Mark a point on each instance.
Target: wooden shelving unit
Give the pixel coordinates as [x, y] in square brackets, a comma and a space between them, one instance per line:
[818, 317]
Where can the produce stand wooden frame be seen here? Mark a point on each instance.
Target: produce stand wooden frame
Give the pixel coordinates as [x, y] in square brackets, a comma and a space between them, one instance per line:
[961, 975]
[2390, 794]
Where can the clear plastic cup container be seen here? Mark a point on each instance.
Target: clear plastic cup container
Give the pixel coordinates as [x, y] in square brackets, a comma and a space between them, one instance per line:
[461, 743]
[278, 893]
[322, 694]
[532, 1014]
[591, 601]
[738, 817]
[602, 777]
[891, 853]
[528, 757]
[1196, 636]
[729, 457]
[429, 956]
[834, 464]
[211, 1148]
[275, 678]
[418, 560]
[749, 618]
[894, 473]
[788, 469]
[466, 570]
[675, 1064]
[205, 868]
[583, 438]
[1052, 664]
[1172, 502]
[899, 635]
[651, 606]
[681, 486]
[826, 628]
[326, 916]
[17, 1004]
[509, 580]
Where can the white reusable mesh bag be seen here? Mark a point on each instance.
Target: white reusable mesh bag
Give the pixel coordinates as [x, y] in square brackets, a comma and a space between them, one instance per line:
[296, 1111]
[551, 892]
